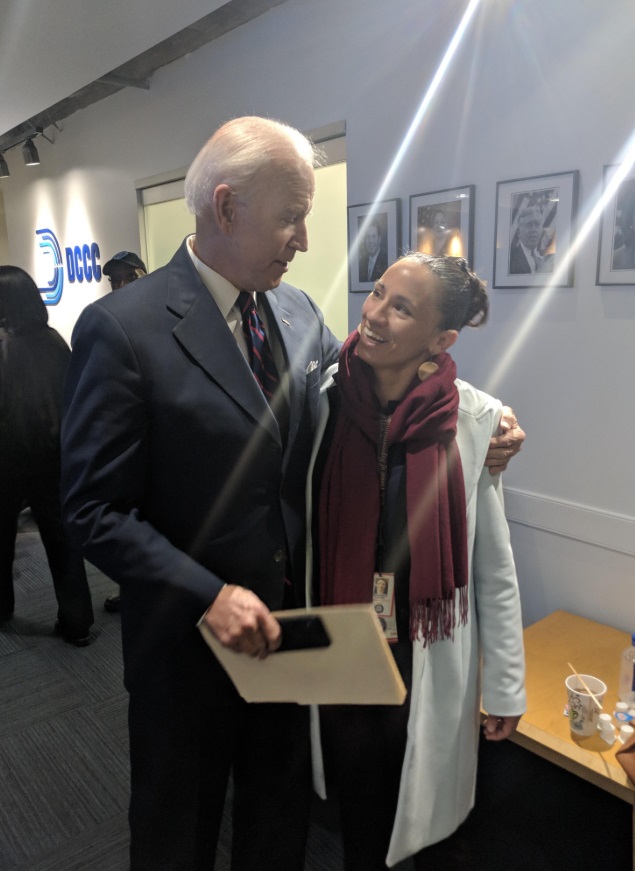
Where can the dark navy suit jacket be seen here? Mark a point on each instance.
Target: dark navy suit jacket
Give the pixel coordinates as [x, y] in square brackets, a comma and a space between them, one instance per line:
[518, 263]
[175, 479]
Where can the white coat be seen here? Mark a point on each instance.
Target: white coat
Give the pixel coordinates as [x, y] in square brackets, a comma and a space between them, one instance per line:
[486, 656]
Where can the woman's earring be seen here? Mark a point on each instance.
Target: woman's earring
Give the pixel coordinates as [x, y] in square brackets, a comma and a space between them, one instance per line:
[427, 369]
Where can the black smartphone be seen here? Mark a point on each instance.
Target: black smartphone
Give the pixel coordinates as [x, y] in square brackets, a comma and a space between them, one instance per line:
[302, 633]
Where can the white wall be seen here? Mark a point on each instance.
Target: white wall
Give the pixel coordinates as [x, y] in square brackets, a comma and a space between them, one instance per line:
[98, 37]
[538, 86]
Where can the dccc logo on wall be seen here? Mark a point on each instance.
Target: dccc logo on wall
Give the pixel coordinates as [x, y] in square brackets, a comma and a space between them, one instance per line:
[82, 264]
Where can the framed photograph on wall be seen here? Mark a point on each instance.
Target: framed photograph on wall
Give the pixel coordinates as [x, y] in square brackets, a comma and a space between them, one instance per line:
[616, 250]
[442, 222]
[535, 220]
[374, 237]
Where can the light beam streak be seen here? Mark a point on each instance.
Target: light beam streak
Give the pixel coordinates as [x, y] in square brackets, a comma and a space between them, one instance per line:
[417, 119]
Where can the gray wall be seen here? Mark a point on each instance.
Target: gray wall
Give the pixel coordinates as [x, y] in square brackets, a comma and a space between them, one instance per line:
[537, 87]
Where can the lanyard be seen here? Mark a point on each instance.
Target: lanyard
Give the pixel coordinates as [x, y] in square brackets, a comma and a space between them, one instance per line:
[382, 468]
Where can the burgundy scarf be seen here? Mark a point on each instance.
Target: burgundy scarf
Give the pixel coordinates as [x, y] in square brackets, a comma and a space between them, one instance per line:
[349, 511]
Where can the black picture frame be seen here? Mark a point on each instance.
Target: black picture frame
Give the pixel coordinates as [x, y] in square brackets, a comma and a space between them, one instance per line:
[616, 246]
[377, 223]
[442, 222]
[543, 209]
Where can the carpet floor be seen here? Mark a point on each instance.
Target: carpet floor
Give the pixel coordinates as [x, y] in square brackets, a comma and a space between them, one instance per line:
[64, 775]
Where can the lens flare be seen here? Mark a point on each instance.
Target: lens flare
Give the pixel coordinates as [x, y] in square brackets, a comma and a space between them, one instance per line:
[420, 114]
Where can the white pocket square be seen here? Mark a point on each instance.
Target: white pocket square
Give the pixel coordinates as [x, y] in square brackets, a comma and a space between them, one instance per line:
[311, 367]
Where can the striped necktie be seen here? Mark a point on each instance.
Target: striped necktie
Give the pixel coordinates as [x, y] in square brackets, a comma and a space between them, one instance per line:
[260, 356]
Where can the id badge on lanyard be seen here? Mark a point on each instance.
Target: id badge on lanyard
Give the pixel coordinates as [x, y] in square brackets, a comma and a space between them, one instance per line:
[384, 603]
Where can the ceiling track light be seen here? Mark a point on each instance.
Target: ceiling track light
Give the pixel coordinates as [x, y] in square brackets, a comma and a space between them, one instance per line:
[29, 152]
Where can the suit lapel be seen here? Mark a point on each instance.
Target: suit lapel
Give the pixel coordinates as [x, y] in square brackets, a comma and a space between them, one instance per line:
[202, 331]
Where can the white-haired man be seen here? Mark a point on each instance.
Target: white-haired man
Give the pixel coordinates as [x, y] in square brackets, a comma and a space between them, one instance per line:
[528, 254]
[185, 485]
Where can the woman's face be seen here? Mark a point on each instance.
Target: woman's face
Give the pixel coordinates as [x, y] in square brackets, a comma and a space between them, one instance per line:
[400, 320]
[439, 222]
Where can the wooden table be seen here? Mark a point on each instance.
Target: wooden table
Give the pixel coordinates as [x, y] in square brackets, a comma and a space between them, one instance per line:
[591, 648]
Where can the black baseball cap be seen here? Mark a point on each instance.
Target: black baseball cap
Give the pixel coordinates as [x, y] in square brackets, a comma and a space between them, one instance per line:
[124, 257]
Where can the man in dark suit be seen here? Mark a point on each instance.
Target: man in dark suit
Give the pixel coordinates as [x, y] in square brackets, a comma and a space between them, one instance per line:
[527, 254]
[184, 484]
[372, 260]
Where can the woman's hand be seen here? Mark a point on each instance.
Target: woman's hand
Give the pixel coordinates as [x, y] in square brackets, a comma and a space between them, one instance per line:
[506, 445]
[497, 728]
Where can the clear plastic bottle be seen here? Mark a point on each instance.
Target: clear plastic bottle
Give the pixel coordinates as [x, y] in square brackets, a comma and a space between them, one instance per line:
[626, 692]
[621, 713]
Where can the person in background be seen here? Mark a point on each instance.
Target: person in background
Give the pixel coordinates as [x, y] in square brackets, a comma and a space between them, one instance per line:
[372, 257]
[33, 361]
[624, 254]
[122, 268]
[403, 495]
[529, 252]
[441, 234]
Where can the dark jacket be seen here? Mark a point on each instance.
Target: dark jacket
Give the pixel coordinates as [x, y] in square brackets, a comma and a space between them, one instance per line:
[175, 478]
[33, 363]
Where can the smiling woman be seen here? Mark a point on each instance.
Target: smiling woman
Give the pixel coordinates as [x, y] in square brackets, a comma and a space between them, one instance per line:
[400, 328]
[407, 320]
[403, 479]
